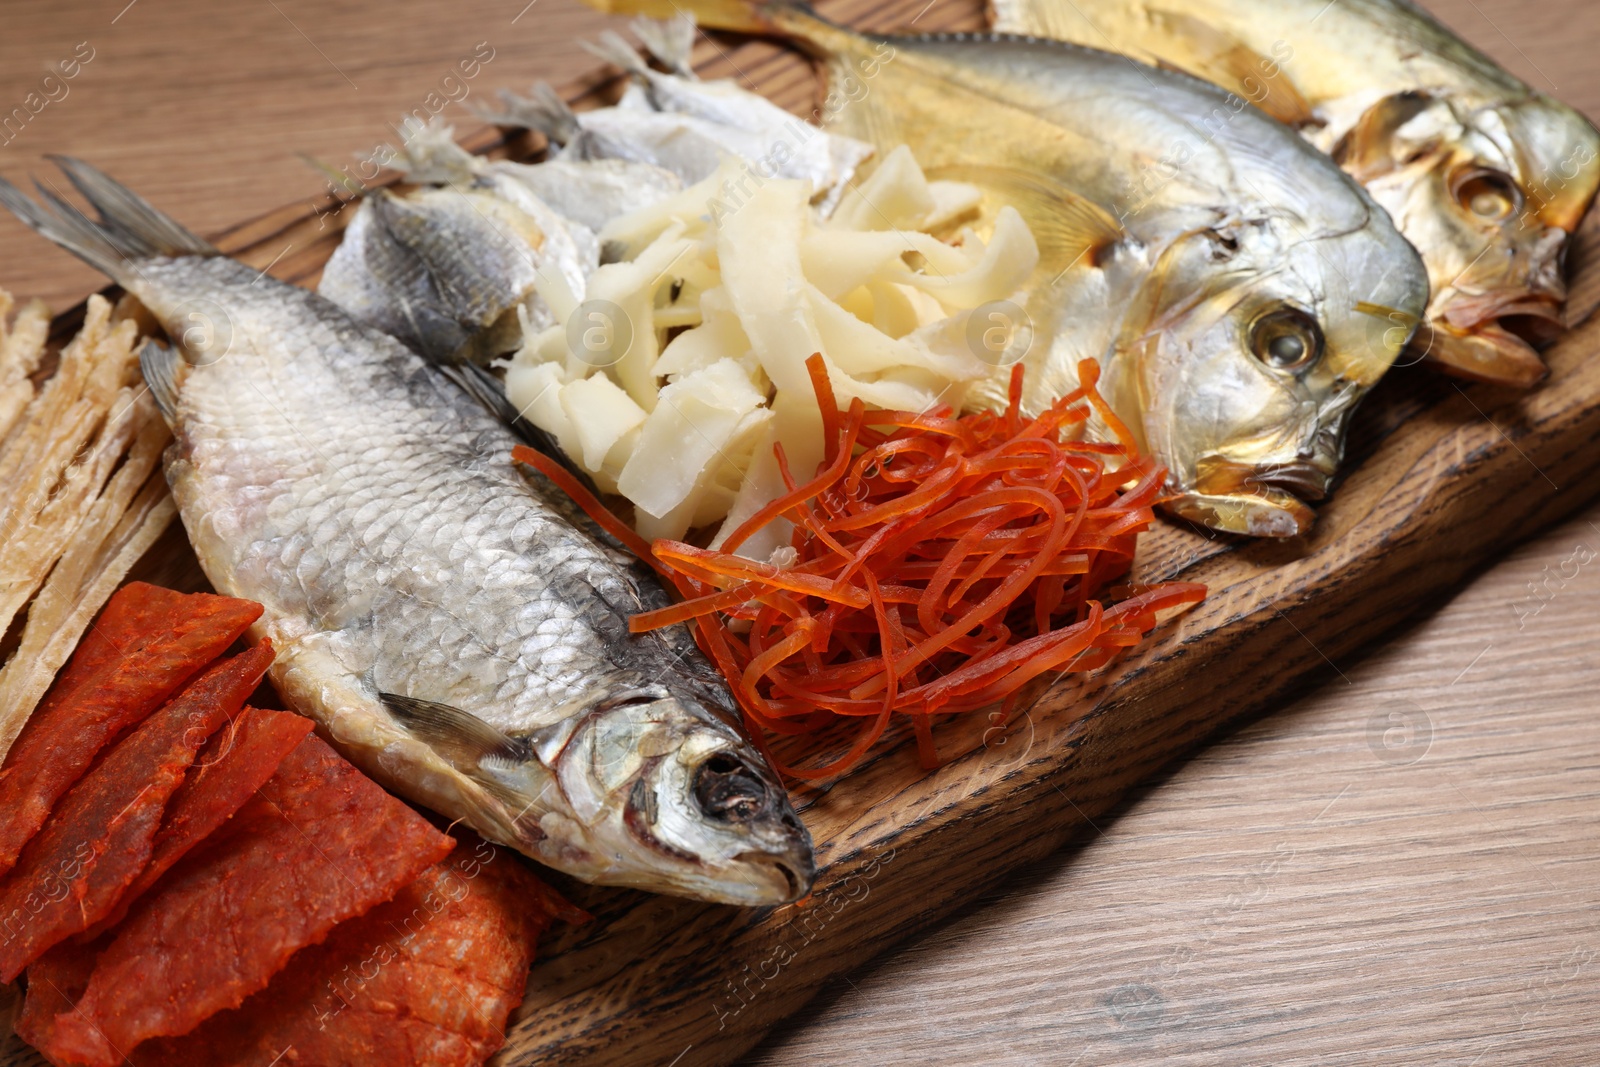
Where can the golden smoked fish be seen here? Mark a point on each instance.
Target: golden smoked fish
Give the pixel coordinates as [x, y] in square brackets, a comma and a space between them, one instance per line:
[1485, 175]
[1240, 291]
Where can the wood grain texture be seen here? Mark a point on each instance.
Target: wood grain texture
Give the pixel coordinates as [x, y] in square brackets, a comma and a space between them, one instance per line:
[1304, 893]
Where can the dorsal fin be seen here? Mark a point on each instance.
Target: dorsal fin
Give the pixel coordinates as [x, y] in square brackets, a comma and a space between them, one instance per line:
[1068, 227]
[611, 48]
[1225, 61]
[544, 112]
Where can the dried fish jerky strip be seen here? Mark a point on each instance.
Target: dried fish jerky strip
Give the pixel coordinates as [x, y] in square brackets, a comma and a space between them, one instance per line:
[133, 611]
[429, 977]
[21, 349]
[130, 513]
[319, 844]
[55, 982]
[237, 762]
[55, 748]
[100, 837]
[46, 481]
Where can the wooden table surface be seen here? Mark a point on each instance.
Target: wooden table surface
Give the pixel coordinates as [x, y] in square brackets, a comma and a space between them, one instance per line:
[1401, 867]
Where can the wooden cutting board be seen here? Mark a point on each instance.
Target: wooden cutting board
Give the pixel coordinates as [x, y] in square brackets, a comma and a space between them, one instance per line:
[1440, 477]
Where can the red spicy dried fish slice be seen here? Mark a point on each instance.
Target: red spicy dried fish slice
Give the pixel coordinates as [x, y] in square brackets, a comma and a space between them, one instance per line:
[236, 763]
[163, 643]
[99, 837]
[320, 843]
[133, 611]
[429, 977]
[55, 982]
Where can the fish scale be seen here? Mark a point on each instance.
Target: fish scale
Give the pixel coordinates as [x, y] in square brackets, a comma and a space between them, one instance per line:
[451, 622]
[1236, 287]
[420, 585]
[1485, 175]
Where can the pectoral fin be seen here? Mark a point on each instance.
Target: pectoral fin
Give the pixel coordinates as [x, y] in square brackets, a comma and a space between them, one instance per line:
[464, 739]
[159, 364]
[1368, 150]
[1069, 228]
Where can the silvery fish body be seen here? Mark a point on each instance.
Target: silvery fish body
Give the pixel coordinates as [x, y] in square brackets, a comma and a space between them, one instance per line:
[589, 192]
[1484, 174]
[450, 622]
[459, 267]
[685, 125]
[445, 270]
[1239, 291]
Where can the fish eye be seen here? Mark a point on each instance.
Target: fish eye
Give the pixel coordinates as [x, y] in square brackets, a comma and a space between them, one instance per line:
[1286, 339]
[1488, 194]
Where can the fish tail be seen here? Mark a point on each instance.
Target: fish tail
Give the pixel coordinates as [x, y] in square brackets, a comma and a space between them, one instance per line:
[670, 41]
[128, 228]
[544, 112]
[611, 48]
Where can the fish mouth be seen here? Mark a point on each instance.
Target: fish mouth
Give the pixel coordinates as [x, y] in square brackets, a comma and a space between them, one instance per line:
[732, 793]
[1493, 340]
[775, 879]
[1267, 500]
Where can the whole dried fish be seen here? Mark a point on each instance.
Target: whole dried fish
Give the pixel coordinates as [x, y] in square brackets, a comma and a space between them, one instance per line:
[1486, 176]
[452, 626]
[459, 267]
[1241, 292]
[685, 125]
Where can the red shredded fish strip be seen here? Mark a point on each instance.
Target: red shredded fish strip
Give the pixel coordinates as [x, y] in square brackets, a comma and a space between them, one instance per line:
[428, 978]
[237, 761]
[942, 563]
[319, 843]
[97, 842]
[146, 644]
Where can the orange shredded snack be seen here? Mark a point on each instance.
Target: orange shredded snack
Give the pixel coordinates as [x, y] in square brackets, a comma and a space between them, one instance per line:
[942, 563]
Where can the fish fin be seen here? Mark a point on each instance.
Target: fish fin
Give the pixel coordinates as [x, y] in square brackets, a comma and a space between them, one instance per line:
[454, 732]
[68, 227]
[159, 364]
[128, 227]
[429, 153]
[611, 48]
[130, 215]
[469, 744]
[669, 41]
[740, 16]
[338, 181]
[480, 384]
[544, 111]
[1224, 60]
[1366, 151]
[1068, 227]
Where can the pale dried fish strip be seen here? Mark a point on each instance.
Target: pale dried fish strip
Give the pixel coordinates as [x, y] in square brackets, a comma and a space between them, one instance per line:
[81, 498]
[32, 548]
[94, 366]
[21, 350]
[120, 528]
[67, 446]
